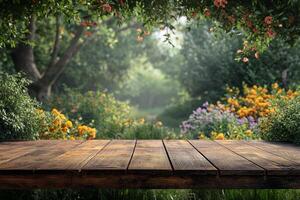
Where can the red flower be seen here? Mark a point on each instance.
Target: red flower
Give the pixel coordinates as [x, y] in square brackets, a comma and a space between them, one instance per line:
[220, 3]
[268, 20]
[106, 7]
[194, 14]
[270, 33]
[207, 12]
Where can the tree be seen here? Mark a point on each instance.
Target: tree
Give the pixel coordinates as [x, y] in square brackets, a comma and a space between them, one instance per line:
[260, 20]
[210, 66]
[104, 63]
[63, 50]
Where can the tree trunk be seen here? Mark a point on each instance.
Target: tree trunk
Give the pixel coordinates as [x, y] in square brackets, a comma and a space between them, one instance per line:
[23, 56]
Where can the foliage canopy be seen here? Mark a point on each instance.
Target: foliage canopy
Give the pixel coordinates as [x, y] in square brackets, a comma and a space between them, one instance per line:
[260, 20]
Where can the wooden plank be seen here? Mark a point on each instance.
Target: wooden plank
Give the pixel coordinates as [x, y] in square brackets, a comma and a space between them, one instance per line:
[139, 181]
[114, 157]
[273, 164]
[39, 155]
[13, 150]
[233, 164]
[150, 155]
[185, 158]
[75, 158]
[287, 151]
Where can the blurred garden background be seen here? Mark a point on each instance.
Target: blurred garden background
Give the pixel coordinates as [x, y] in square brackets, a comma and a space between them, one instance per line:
[71, 74]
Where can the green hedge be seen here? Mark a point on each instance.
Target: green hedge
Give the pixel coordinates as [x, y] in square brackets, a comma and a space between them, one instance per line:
[19, 118]
[284, 124]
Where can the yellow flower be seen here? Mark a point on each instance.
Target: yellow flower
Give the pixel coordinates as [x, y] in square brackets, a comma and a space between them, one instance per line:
[201, 135]
[92, 134]
[248, 133]
[56, 122]
[69, 124]
[275, 86]
[72, 138]
[220, 136]
[81, 129]
[55, 112]
[141, 121]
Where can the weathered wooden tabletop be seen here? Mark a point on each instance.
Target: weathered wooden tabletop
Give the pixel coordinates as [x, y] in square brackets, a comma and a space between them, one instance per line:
[149, 164]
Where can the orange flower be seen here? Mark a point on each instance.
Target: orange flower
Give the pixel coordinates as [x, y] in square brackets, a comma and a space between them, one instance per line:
[64, 129]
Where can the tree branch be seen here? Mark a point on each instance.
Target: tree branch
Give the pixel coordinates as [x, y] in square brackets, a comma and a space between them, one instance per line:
[53, 72]
[56, 45]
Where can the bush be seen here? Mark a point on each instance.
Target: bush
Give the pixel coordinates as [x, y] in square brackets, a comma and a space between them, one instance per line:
[284, 124]
[109, 116]
[210, 121]
[238, 116]
[57, 126]
[149, 131]
[19, 118]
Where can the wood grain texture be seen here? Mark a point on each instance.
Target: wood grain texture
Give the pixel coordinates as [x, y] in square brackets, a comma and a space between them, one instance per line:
[149, 155]
[287, 151]
[273, 164]
[38, 155]
[225, 160]
[148, 164]
[114, 157]
[76, 157]
[186, 159]
[12, 150]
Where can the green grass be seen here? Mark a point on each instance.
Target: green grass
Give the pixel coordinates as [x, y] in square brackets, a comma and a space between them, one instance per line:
[110, 194]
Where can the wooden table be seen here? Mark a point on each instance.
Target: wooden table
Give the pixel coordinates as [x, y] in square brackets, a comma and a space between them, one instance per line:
[149, 164]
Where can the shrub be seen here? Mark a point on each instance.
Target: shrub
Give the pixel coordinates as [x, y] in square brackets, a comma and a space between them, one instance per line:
[255, 101]
[109, 116]
[210, 121]
[238, 116]
[57, 126]
[284, 124]
[142, 130]
[19, 118]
